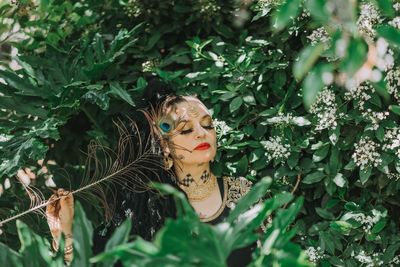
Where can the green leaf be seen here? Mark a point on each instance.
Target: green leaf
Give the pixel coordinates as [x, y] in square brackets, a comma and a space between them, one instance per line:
[32, 247]
[378, 227]
[321, 153]
[342, 227]
[82, 231]
[365, 174]
[242, 166]
[327, 242]
[395, 109]
[386, 6]
[308, 57]
[355, 56]
[236, 103]
[323, 213]
[313, 177]
[340, 180]
[318, 9]
[255, 194]
[117, 90]
[9, 257]
[22, 85]
[119, 237]
[391, 34]
[313, 83]
[285, 13]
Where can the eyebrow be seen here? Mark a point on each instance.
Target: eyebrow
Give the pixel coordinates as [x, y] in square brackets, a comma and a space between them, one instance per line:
[205, 116]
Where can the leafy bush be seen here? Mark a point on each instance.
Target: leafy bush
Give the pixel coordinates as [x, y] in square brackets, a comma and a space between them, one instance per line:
[185, 241]
[304, 91]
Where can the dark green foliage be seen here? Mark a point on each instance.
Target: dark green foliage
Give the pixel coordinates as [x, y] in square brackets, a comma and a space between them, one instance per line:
[259, 69]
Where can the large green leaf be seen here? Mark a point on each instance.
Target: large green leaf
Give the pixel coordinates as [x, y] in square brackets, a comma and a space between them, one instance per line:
[83, 232]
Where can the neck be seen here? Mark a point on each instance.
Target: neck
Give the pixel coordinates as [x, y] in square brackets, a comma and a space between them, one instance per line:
[196, 181]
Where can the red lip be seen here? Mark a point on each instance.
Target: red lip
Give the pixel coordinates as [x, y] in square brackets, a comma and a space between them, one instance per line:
[202, 146]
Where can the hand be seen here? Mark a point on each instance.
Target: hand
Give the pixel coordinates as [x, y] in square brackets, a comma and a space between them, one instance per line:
[60, 214]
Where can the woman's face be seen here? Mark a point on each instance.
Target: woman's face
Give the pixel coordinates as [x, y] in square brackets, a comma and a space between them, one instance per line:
[193, 141]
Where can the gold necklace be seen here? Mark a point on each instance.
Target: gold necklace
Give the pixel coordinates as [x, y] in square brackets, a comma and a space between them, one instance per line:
[200, 191]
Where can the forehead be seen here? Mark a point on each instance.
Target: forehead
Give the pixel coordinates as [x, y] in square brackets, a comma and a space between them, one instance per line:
[189, 109]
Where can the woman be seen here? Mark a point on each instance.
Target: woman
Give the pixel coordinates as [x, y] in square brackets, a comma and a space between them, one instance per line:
[184, 129]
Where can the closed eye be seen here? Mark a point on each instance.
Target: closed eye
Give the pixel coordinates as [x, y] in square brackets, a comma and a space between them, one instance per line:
[188, 131]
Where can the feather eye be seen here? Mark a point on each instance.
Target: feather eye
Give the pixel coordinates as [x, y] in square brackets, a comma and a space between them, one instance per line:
[166, 125]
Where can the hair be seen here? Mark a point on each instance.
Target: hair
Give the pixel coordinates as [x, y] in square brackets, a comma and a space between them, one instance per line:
[149, 209]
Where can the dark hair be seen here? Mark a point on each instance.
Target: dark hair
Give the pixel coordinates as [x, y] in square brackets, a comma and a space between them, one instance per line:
[148, 209]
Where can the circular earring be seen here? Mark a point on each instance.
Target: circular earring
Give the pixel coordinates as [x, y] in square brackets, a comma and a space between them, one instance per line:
[168, 162]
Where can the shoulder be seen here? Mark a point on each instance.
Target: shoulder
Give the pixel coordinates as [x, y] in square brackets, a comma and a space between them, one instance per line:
[236, 188]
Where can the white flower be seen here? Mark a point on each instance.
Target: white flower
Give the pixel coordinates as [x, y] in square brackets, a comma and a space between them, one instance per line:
[369, 17]
[133, 8]
[396, 260]
[363, 258]
[276, 149]
[366, 153]
[393, 176]
[395, 22]
[384, 58]
[375, 117]
[392, 141]
[319, 35]
[314, 254]
[396, 7]
[361, 93]
[393, 82]
[150, 65]
[221, 128]
[325, 108]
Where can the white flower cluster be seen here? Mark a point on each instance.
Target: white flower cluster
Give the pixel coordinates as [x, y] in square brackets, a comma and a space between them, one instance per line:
[150, 65]
[395, 22]
[265, 4]
[369, 261]
[396, 260]
[384, 57]
[281, 119]
[314, 254]
[393, 82]
[392, 141]
[276, 149]
[208, 7]
[221, 128]
[366, 153]
[133, 8]
[393, 176]
[369, 17]
[375, 117]
[363, 258]
[397, 7]
[368, 221]
[319, 35]
[325, 108]
[361, 93]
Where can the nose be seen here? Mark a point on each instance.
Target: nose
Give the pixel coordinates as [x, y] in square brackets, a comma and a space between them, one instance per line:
[200, 132]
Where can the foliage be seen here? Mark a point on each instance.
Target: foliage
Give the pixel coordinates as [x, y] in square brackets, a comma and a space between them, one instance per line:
[185, 241]
[305, 88]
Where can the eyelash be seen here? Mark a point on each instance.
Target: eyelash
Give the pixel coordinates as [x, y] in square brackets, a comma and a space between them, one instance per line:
[188, 131]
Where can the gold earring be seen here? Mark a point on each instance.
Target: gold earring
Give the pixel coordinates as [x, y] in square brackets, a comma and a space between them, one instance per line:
[168, 162]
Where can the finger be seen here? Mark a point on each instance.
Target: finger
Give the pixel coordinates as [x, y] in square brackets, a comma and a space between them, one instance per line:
[52, 204]
[60, 191]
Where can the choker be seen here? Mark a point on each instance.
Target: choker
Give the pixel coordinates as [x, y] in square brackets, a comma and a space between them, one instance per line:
[198, 191]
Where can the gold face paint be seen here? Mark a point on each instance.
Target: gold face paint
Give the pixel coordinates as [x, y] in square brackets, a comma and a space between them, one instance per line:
[192, 111]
